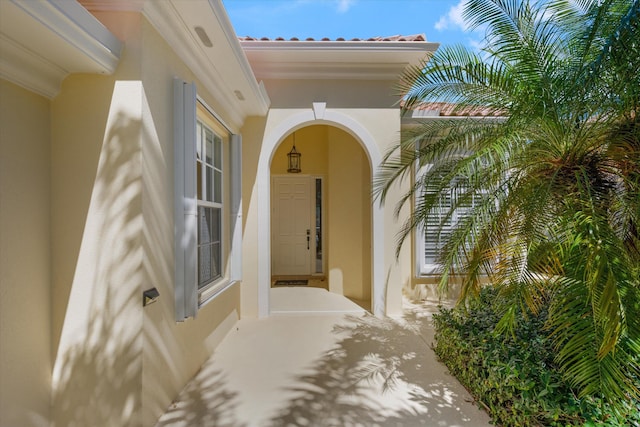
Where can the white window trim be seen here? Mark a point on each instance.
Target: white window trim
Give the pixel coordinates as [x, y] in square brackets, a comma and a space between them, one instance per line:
[187, 296]
[235, 163]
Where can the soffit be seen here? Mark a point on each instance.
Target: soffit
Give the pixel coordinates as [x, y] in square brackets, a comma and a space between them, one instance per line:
[217, 60]
[374, 59]
[42, 42]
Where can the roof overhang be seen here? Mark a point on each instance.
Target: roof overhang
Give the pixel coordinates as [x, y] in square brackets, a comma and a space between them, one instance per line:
[356, 60]
[43, 41]
[200, 33]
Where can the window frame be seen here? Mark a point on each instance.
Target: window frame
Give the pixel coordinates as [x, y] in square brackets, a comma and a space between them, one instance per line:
[190, 111]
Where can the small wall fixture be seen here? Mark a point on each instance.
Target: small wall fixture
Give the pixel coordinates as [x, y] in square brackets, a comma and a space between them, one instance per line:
[294, 158]
[150, 296]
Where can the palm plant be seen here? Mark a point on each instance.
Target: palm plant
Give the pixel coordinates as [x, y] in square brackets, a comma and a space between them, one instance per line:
[555, 183]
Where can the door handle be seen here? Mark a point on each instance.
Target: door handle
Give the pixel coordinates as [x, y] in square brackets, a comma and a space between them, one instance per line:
[308, 237]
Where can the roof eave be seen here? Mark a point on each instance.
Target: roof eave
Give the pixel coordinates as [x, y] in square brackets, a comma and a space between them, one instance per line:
[223, 67]
[332, 45]
[42, 42]
[370, 60]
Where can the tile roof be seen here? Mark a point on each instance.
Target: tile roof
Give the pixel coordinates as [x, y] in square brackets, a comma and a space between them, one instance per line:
[443, 109]
[396, 38]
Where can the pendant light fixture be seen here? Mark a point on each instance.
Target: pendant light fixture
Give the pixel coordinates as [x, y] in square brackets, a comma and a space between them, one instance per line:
[294, 158]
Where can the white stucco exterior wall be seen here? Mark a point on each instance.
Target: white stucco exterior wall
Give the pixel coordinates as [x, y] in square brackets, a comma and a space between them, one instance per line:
[348, 221]
[172, 352]
[25, 264]
[98, 359]
[115, 361]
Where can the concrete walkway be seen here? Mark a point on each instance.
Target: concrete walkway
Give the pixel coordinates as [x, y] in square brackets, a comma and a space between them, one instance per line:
[329, 369]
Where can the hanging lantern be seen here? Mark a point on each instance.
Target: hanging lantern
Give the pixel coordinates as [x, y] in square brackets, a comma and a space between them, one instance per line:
[294, 158]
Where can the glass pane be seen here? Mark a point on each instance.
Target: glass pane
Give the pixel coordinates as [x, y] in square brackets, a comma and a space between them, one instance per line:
[204, 225]
[318, 225]
[217, 185]
[199, 140]
[209, 146]
[209, 196]
[218, 153]
[216, 228]
[216, 224]
[199, 181]
[445, 205]
[209, 246]
[216, 261]
[205, 265]
[433, 239]
[439, 225]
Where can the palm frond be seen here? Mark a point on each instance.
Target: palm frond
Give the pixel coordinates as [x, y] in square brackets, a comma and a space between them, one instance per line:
[551, 191]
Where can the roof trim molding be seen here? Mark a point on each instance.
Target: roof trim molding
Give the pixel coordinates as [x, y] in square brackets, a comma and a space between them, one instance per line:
[238, 52]
[114, 5]
[334, 59]
[26, 68]
[338, 45]
[75, 28]
[167, 18]
[78, 27]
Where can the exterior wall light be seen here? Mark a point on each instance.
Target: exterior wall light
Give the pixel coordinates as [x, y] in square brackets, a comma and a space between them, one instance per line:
[294, 158]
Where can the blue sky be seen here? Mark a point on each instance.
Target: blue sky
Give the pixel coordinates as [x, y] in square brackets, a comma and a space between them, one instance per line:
[440, 20]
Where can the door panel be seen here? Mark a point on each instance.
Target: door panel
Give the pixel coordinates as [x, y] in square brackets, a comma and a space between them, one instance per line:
[291, 222]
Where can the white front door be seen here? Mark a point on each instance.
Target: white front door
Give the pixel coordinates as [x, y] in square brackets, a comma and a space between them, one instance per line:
[291, 225]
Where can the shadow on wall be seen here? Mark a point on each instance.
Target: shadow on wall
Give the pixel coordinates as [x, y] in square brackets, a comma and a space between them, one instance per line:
[97, 372]
[376, 377]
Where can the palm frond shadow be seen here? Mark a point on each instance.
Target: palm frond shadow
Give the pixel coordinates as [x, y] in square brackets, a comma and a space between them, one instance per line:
[206, 401]
[381, 373]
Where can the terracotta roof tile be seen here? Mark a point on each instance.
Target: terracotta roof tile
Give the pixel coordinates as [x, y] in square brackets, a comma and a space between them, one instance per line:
[396, 38]
[443, 109]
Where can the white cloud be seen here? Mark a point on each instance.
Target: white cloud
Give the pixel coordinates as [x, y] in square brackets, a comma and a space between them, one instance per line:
[476, 44]
[453, 18]
[344, 5]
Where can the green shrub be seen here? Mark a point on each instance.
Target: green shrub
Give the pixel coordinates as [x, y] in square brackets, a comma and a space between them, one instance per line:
[514, 375]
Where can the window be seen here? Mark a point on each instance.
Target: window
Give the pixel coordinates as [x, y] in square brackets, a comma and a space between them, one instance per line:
[209, 181]
[438, 228]
[208, 236]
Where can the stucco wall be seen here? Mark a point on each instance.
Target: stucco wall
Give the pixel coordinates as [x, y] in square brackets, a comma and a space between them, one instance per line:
[252, 141]
[173, 352]
[349, 217]
[375, 129]
[312, 143]
[353, 94]
[25, 345]
[97, 252]
[115, 362]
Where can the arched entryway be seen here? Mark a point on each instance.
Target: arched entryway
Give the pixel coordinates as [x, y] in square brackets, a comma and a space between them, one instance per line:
[321, 216]
[357, 134]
